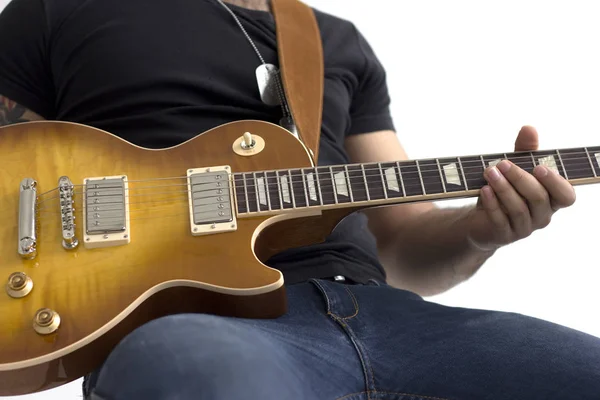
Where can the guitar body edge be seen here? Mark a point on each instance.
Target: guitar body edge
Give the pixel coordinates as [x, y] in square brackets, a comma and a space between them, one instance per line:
[102, 294]
[85, 357]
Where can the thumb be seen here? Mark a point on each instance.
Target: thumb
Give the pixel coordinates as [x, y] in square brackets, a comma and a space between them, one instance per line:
[527, 139]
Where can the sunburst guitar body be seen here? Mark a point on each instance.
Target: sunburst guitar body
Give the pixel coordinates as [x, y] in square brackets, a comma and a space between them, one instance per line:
[98, 236]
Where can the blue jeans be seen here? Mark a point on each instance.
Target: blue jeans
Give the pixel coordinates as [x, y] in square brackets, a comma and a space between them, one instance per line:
[352, 342]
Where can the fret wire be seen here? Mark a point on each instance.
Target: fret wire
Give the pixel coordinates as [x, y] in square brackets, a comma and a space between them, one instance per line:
[421, 177]
[256, 192]
[291, 184]
[333, 186]
[562, 164]
[362, 167]
[584, 154]
[401, 178]
[441, 176]
[267, 190]
[349, 185]
[233, 184]
[591, 162]
[279, 189]
[586, 162]
[318, 185]
[462, 171]
[532, 159]
[382, 181]
[482, 162]
[379, 174]
[246, 191]
[305, 187]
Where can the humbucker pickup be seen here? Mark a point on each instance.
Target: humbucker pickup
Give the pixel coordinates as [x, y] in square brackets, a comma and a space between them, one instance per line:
[106, 212]
[210, 195]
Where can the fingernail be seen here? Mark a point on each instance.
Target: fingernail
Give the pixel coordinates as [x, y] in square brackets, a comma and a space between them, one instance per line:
[493, 174]
[503, 166]
[541, 171]
[487, 192]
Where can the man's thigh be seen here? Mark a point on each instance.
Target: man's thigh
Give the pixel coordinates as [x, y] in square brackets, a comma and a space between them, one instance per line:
[411, 347]
[302, 355]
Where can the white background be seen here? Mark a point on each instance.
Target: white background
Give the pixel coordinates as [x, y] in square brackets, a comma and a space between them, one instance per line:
[464, 76]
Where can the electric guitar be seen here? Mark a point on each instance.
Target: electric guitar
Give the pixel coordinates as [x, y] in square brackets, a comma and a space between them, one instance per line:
[98, 236]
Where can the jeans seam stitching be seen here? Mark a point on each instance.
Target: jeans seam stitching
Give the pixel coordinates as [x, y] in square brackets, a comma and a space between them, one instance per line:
[359, 352]
[322, 289]
[364, 354]
[394, 393]
[354, 301]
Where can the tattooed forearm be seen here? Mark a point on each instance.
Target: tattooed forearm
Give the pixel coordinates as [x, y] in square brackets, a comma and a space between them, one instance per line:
[12, 113]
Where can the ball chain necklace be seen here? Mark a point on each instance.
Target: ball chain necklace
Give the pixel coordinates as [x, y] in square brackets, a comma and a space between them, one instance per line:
[268, 78]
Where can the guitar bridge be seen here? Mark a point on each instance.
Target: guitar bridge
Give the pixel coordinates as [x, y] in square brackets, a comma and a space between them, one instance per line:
[106, 212]
[210, 195]
[27, 246]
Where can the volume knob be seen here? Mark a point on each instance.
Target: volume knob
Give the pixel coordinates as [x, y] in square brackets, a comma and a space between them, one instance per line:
[46, 321]
[19, 285]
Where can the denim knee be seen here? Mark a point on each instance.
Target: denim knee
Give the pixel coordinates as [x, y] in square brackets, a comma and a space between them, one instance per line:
[193, 356]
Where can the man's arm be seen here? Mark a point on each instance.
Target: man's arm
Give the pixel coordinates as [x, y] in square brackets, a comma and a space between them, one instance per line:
[12, 113]
[430, 250]
[407, 234]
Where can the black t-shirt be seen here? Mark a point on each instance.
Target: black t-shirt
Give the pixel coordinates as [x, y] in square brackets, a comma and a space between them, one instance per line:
[158, 72]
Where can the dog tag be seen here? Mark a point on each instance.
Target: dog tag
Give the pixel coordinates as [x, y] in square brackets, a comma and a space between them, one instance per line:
[266, 77]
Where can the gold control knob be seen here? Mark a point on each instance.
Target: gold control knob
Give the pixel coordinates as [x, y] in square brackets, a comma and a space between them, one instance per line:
[19, 285]
[46, 321]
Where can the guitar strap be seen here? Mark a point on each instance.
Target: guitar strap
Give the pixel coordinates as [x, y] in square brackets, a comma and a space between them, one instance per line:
[301, 63]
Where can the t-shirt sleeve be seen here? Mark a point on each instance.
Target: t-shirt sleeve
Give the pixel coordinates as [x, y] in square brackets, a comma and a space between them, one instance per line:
[370, 108]
[25, 75]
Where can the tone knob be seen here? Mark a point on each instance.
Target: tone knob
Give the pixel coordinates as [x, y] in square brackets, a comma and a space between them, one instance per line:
[19, 285]
[46, 321]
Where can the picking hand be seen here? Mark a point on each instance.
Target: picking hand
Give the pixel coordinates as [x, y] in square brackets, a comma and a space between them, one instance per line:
[515, 203]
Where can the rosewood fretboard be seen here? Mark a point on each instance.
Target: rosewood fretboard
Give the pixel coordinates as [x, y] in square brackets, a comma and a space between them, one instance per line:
[397, 182]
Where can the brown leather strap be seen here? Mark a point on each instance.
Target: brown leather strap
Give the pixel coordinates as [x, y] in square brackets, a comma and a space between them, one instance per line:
[301, 64]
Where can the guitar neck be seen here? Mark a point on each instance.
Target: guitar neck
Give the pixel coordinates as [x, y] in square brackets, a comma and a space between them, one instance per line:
[386, 183]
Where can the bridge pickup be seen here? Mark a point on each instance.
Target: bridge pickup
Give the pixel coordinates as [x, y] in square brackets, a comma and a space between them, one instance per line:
[210, 195]
[106, 211]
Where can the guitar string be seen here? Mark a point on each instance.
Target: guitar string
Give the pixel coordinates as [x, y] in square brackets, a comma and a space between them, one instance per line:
[327, 190]
[263, 209]
[406, 177]
[403, 164]
[280, 206]
[356, 184]
[386, 165]
[325, 186]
